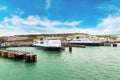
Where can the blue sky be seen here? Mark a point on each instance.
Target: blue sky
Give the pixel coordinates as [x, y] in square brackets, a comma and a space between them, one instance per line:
[59, 16]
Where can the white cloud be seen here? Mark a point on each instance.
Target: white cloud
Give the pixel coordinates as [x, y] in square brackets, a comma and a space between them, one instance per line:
[15, 25]
[3, 8]
[48, 3]
[36, 20]
[74, 23]
[111, 24]
[109, 7]
[108, 25]
[18, 11]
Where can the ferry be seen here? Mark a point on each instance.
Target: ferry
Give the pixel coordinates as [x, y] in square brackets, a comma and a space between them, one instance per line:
[84, 41]
[51, 44]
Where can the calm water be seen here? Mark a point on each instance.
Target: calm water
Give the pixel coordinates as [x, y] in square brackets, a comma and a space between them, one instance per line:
[91, 63]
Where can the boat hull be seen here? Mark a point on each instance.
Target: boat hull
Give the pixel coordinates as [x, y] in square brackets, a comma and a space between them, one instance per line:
[50, 48]
[86, 44]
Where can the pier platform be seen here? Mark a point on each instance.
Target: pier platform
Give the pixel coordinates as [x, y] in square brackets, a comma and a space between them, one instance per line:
[12, 54]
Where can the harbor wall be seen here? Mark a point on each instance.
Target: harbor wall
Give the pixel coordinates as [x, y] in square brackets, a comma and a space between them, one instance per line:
[18, 55]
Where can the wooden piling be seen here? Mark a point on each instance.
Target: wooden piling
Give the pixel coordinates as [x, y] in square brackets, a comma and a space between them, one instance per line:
[70, 49]
[3, 53]
[10, 56]
[27, 58]
[34, 58]
[30, 58]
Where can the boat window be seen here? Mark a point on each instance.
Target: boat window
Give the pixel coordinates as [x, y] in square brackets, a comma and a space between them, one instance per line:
[41, 42]
[77, 37]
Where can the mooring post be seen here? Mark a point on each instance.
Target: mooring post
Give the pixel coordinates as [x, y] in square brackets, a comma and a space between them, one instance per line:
[70, 48]
[30, 58]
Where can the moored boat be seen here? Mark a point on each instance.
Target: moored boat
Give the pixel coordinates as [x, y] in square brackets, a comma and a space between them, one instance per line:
[84, 41]
[51, 44]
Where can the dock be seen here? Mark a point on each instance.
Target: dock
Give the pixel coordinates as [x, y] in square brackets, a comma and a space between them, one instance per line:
[18, 55]
[73, 45]
[109, 44]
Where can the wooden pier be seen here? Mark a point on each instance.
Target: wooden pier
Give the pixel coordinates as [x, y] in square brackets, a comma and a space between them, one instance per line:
[12, 54]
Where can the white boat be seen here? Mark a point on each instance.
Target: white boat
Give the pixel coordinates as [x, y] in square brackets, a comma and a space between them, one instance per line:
[84, 41]
[51, 44]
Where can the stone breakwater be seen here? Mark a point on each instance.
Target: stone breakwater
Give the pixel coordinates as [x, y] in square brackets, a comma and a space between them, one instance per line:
[17, 55]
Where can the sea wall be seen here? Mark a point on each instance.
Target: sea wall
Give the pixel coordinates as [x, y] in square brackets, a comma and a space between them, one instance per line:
[17, 44]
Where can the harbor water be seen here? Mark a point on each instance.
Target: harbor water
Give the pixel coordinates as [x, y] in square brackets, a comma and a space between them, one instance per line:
[90, 63]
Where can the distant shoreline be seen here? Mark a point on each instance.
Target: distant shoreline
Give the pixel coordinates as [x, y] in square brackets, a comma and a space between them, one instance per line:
[27, 40]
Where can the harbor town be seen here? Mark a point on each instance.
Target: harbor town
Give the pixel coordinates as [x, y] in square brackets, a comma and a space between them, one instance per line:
[39, 56]
[28, 40]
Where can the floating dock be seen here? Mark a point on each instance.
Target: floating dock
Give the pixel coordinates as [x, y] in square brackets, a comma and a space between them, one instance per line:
[12, 54]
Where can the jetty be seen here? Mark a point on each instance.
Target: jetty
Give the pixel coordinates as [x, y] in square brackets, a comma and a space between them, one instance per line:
[113, 44]
[18, 55]
[73, 45]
